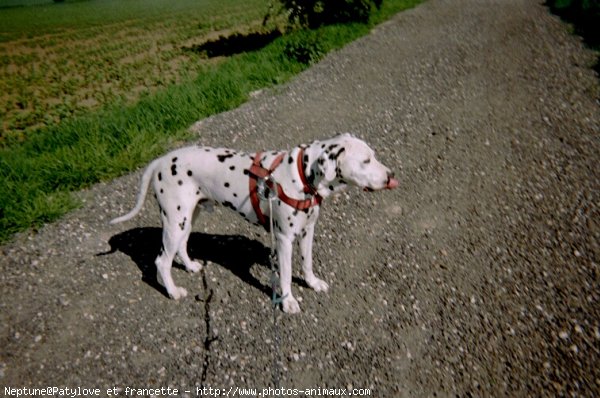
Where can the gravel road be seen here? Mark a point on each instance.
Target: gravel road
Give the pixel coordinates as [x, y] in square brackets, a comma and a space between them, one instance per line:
[479, 276]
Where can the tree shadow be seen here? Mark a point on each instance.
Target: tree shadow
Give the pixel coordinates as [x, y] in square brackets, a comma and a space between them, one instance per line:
[234, 44]
[234, 252]
[584, 16]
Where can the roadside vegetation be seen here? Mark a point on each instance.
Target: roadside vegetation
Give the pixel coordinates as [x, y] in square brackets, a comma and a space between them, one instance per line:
[129, 86]
[585, 17]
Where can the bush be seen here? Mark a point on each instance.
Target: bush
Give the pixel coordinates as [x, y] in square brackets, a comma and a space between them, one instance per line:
[305, 47]
[583, 14]
[315, 13]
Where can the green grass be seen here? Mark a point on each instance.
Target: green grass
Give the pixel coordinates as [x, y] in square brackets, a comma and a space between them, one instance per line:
[27, 18]
[62, 60]
[38, 175]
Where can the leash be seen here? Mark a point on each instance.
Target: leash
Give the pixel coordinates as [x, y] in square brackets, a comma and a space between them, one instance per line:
[262, 186]
[266, 192]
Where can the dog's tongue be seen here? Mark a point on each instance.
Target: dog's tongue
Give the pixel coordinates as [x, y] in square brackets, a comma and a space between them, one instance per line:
[392, 183]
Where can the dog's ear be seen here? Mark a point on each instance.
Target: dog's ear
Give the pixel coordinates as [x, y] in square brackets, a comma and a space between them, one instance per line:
[327, 163]
[326, 167]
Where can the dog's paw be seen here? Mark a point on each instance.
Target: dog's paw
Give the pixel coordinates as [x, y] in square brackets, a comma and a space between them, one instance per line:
[194, 266]
[290, 305]
[318, 285]
[178, 293]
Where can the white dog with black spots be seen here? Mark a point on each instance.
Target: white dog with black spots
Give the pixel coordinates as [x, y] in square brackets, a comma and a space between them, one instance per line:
[301, 177]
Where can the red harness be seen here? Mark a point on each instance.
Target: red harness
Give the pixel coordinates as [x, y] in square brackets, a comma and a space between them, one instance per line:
[257, 171]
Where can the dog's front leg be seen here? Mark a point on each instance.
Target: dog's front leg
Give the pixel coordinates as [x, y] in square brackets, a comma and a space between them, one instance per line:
[306, 249]
[284, 256]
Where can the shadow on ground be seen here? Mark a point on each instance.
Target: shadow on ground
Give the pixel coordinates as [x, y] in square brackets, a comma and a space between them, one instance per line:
[234, 252]
[234, 44]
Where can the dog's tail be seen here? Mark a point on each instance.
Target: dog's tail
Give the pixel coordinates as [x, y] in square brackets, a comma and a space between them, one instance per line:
[148, 173]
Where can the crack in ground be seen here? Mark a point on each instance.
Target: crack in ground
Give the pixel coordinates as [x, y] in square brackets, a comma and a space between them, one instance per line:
[209, 339]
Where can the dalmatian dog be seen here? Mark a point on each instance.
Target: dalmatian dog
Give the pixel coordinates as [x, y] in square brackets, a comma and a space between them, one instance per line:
[299, 180]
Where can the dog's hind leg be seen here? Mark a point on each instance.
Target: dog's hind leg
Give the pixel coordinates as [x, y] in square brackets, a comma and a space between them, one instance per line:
[190, 265]
[173, 235]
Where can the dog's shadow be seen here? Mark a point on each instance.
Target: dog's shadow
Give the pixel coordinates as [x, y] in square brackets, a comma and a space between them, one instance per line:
[234, 252]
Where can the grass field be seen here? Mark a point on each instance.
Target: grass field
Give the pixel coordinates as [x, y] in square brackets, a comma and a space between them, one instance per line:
[60, 60]
[133, 113]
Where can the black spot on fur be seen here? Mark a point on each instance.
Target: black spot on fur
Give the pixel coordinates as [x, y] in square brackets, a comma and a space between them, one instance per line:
[206, 149]
[229, 205]
[161, 190]
[226, 185]
[174, 159]
[174, 170]
[295, 213]
[246, 172]
[159, 176]
[182, 224]
[179, 182]
[291, 225]
[337, 155]
[189, 173]
[305, 158]
[231, 168]
[290, 160]
[331, 187]
[178, 208]
[235, 195]
[225, 156]
[304, 236]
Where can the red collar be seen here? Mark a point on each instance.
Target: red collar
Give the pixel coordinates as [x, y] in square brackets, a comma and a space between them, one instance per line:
[308, 188]
[257, 171]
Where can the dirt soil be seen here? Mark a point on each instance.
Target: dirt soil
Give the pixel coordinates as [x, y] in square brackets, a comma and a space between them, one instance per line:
[479, 276]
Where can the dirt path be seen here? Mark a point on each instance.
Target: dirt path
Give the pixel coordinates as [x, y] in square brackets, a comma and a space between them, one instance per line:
[478, 277]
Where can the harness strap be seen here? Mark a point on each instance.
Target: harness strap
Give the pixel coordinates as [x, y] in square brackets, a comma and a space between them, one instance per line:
[300, 163]
[257, 171]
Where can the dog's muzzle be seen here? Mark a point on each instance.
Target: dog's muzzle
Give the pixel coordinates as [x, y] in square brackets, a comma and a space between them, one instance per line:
[390, 184]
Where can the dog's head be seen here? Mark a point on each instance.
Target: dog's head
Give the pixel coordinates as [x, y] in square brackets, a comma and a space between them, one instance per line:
[346, 159]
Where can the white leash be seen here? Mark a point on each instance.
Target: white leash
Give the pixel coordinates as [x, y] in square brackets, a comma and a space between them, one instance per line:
[266, 193]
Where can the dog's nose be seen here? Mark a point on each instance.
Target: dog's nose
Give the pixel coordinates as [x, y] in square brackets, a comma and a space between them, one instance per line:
[391, 182]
